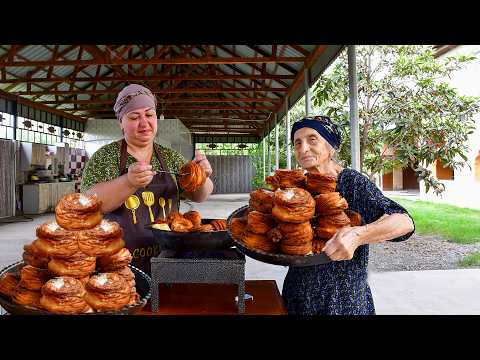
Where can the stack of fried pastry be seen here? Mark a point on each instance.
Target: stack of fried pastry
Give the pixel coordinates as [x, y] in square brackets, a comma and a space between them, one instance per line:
[254, 227]
[302, 223]
[293, 209]
[191, 221]
[284, 179]
[70, 250]
[331, 210]
[192, 176]
[258, 226]
[28, 290]
[118, 263]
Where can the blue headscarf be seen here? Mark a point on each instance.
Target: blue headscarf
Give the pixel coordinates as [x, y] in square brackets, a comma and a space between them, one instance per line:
[323, 125]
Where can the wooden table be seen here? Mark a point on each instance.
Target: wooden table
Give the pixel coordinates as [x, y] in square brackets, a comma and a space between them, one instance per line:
[218, 299]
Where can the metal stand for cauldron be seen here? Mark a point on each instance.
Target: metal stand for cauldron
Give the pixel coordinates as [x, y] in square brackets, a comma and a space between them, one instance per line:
[225, 267]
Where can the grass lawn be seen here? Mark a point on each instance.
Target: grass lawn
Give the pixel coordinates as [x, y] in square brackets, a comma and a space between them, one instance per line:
[453, 223]
[471, 260]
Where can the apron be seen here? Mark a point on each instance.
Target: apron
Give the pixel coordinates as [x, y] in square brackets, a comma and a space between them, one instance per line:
[138, 239]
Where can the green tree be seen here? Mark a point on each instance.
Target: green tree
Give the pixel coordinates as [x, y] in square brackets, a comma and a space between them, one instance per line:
[405, 106]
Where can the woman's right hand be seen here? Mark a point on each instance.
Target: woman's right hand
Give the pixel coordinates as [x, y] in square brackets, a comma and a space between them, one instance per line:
[140, 174]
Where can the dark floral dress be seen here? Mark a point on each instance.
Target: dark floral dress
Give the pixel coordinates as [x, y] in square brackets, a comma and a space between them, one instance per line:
[340, 287]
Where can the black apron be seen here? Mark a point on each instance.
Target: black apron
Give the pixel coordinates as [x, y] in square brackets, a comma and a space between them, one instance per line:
[138, 239]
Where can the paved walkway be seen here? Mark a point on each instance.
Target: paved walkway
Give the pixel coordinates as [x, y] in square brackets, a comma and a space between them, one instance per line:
[406, 292]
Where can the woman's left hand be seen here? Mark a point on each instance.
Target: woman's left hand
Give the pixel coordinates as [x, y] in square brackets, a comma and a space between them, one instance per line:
[201, 160]
[343, 244]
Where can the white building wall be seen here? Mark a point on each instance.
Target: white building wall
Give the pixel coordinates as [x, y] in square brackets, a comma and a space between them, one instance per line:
[171, 133]
[463, 191]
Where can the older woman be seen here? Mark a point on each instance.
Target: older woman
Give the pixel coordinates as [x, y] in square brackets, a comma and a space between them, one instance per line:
[341, 287]
[131, 167]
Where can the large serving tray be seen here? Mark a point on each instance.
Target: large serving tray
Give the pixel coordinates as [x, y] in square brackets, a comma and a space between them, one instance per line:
[171, 240]
[271, 258]
[142, 284]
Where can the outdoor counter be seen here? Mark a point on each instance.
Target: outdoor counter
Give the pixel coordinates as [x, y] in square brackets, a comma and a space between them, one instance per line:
[218, 299]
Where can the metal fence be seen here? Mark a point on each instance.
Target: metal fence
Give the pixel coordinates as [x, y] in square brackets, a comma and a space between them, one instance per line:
[232, 173]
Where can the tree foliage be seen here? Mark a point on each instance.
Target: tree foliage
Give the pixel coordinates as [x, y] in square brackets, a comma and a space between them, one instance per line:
[409, 116]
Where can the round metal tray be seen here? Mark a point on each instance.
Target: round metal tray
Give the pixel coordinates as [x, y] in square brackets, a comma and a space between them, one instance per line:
[271, 258]
[142, 285]
[171, 240]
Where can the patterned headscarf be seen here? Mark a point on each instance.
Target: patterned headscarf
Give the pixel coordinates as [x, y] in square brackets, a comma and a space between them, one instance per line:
[133, 97]
[323, 125]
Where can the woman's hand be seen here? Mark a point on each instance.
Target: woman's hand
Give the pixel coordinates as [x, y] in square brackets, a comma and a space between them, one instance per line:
[140, 174]
[201, 160]
[343, 244]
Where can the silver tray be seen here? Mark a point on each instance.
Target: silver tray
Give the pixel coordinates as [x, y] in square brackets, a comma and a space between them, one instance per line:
[142, 285]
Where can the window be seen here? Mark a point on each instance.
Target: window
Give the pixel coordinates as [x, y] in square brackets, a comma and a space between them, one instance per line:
[225, 148]
[6, 126]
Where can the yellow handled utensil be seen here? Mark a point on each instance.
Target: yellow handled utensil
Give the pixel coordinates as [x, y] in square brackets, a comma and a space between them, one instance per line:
[132, 203]
[170, 205]
[161, 201]
[149, 200]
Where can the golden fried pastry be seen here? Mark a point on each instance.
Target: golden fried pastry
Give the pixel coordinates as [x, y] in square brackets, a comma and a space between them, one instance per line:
[219, 224]
[115, 261]
[33, 278]
[64, 295]
[329, 203]
[285, 179]
[104, 239]
[261, 200]
[27, 298]
[58, 249]
[296, 238]
[355, 218]
[78, 265]
[237, 227]
[195, 177]
[54, 241]
[127, 274]
[259, 223]
[296, 233]
[77, 211]
[259, 242]
[317, 183]
[34, 257]
[8, 282]
[205, 228]
[293, 205]
[180, 224]
[325, 232]
[107, 292]
[317, 245]
[194, 217]
[105, 230]
[338, 219]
